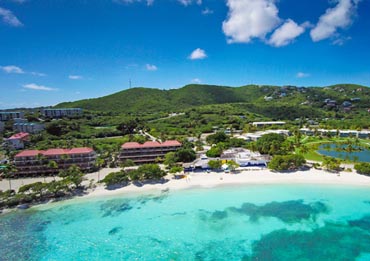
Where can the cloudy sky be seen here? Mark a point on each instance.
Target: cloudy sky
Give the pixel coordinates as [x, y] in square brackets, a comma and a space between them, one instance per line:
[62, 50]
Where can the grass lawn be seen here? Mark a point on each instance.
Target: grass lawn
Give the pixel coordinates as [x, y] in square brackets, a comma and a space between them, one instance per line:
[313, 144]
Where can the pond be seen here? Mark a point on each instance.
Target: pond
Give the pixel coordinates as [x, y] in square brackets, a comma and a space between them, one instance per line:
[337, 150]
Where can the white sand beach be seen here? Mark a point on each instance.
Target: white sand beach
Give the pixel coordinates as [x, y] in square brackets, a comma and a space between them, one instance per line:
[262, 176]
[212, 179]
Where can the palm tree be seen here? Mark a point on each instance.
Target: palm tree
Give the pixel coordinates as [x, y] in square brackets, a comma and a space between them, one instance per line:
[53, 165]
[98, 163]
[8, 170]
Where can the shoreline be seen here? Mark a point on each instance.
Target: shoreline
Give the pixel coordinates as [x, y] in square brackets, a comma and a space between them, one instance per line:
[218, 179]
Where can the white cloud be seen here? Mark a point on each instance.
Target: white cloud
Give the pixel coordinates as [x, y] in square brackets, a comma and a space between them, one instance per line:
[33, 86]
[148, 2]
[151, 67]
[189, 2]
[339, 17]
[286, 33]
[12, 69]
[302, 75]
[75, 77]
[207, 11]
[248, 19]
[196, 80]
[9, 18]
[38, 74]
[198, 54]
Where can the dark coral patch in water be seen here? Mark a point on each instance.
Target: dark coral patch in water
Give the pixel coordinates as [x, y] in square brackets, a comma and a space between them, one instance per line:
[115, 230]
[115, 207]
[217, 215]
[331, 242]
[289, 211]
[363, 223]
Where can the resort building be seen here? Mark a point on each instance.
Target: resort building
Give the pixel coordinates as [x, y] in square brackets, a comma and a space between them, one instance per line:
[363, 134]
[36, 162]
[269, 123]
[17, 141]
[62, 112]
[2, 126]
[149, 152]
[257, 135]
[244, 157]
[6, 116]
[28, 127]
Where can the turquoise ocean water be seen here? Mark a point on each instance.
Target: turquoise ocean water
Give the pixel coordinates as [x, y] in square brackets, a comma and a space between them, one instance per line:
[259, 222]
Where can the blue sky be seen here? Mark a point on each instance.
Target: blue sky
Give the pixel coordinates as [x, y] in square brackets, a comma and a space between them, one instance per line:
[62, 50]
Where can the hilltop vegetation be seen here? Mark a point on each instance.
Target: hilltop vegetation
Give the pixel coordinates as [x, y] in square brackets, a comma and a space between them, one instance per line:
[258, 99]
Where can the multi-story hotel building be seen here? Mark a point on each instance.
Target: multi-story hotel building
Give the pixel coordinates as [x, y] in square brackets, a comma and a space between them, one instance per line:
[62, 112]
[36, 162]
[6, 115]
[148, 152]
[29, 127]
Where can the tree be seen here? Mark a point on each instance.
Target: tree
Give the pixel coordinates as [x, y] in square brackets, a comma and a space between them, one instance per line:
[271, 144]
[114, 178]
[75, 175]
[151, 171]
[286, 162]
[215, 164]
[331, 164]
[7, 172]
[214, 152]
[170, 159]
[185, 155]
[217, 137]
[176, 169]
[53, 165]
[99, 163]
[232, 165]
[128, 126]
[363, 168]
[127, 163]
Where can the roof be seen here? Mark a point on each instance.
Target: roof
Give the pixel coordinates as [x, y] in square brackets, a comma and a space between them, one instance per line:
[52, 152]
[21, 135]
[150, 144]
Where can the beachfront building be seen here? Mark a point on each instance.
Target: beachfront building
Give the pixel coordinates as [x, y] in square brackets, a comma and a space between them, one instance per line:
[29, 127]
[363, 134]
[257, 135]
[267, 123]
[149, 152]
[6, 115]
[36, 162]
[62, 112]
[17, 141]
[244, 157]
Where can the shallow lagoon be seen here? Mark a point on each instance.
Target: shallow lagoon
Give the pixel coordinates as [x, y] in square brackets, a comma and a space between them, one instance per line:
[259, 222]
[361, 156]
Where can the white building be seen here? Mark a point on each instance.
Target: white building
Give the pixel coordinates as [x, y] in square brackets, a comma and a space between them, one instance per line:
[264, 123]
[62, 112]
[17, 141]
[244, 157]
[256, 135]
[363, 134]
[28, 127]
[6, 116]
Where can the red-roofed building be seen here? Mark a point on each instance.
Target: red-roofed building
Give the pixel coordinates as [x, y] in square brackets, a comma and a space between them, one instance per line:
[17, 141]
[148, 152]
[36, 162]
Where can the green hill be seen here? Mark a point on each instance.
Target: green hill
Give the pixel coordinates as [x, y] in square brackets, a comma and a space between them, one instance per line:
[263, 99]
